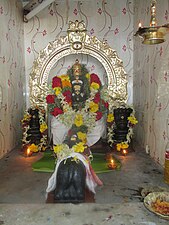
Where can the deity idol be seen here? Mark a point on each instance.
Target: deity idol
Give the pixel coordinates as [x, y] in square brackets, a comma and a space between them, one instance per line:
[76, 93]
[79, 92]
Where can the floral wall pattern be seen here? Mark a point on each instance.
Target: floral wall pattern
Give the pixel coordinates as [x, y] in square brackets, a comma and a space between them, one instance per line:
[151, 84]
[11, 74]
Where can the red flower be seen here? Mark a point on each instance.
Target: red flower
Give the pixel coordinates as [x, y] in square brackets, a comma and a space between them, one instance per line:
[70, 132]
[95, 78]
[56, 82]
[106, 104]
[50, 99]
[97, 98]
[57, 111]
[68, 96]
[99, 115]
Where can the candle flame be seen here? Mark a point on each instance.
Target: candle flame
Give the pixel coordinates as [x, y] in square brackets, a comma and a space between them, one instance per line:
[139, 25]
[112, 161]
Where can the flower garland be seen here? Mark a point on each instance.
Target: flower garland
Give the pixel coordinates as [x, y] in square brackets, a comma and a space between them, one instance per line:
[43, 130]
[132, 121]
[80, 121]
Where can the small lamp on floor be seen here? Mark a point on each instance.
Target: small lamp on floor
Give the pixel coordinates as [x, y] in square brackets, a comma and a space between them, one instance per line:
[112, 164]
[28, 152]
[124, 152]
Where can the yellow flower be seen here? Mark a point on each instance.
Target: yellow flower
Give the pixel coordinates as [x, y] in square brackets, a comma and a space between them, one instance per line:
[66, 83]
[43, 148]
[78, 120]
[118, 146]
[94, 107]
[58, 148]
[43, 127]
[33, 148]
[88, 76]
[122, 145]
[75, 159]
[82, 136]
[64, 77]
[95, 85]
[132, 120]
[26, 118]
[110, 118]
[57, 90]
[79, 147]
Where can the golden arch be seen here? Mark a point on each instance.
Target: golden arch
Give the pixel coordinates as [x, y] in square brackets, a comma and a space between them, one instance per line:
[61, 47]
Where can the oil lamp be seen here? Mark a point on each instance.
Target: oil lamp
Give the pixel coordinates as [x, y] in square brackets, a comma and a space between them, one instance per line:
[28, 152]
[124, 152]
[153, 34]
[112, 165]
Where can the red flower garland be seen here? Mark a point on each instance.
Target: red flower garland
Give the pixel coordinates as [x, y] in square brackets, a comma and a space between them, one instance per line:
[57, 111]
[56, 82]
[95, 78]
[50, 99]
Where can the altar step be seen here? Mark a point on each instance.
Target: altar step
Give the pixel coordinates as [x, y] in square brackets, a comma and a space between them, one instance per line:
[89, 198]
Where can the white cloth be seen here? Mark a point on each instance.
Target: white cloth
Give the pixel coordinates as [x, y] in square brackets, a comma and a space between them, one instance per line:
[97, 132]
[90, 181]
[59, 131]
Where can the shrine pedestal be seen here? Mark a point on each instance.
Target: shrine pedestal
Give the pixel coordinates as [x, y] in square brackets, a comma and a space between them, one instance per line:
[89, 198]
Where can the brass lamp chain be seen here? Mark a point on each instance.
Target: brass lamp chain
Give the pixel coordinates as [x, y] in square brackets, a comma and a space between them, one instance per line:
[153, 21]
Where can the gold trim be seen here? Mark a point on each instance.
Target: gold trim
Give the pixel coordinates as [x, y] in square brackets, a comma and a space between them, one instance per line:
[61, 47]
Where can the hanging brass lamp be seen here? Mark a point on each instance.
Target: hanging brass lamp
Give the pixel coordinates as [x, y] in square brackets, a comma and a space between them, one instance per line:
[153, 34]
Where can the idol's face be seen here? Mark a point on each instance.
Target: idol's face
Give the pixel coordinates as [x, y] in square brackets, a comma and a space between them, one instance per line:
[76, 70]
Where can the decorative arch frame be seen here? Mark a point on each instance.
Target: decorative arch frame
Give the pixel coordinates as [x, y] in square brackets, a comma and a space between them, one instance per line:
[77, 41]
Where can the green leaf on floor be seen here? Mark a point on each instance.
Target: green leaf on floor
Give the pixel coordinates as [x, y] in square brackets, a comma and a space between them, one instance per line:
[99, 164]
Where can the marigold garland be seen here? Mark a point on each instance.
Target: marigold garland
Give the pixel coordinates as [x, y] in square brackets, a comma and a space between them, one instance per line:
[81, 121]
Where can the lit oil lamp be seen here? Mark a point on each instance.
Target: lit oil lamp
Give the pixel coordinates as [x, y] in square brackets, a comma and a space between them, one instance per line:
[112, 165]
[28, 152]
[124, 152]
[139, 25]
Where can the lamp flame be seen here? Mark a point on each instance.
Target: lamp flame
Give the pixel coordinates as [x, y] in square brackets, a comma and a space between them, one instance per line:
[28, 152]
[124, 151]
[139, 25]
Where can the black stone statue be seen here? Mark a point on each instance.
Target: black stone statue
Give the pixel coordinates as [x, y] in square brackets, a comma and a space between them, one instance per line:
[121, 124]
[34, 134]
[70, 182]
